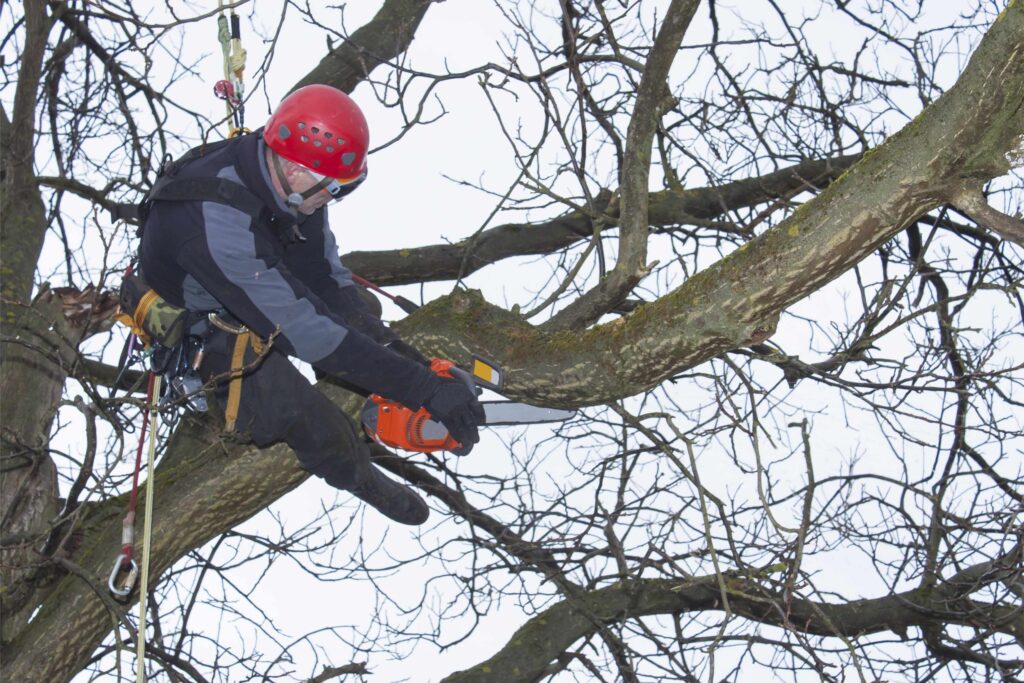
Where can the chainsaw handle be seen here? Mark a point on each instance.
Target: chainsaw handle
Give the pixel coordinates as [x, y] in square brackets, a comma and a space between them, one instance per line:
[468, 379]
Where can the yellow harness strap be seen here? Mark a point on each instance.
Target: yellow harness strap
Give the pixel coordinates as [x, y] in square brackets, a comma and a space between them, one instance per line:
[242, 342]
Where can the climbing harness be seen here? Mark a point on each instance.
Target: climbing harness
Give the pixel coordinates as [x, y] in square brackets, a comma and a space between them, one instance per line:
[244, 338]
[167, 339]
[242, 343]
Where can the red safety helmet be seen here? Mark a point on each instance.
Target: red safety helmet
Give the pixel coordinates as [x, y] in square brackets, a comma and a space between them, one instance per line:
[323, 129]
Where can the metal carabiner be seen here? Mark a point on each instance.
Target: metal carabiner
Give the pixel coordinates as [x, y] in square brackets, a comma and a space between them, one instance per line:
[129, 582]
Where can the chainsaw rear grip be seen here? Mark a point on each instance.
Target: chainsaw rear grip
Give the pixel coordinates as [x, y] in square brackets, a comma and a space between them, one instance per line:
[461, 415]
[377, 369]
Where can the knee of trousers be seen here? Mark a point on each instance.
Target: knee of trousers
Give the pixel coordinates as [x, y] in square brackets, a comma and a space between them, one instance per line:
[339, 466]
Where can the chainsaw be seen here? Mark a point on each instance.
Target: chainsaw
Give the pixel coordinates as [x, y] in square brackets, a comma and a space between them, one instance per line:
[392, 425]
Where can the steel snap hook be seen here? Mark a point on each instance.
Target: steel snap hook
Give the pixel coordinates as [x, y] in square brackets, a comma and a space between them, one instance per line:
[129, 582]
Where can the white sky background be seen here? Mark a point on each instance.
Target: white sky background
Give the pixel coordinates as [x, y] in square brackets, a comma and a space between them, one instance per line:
[407, 201]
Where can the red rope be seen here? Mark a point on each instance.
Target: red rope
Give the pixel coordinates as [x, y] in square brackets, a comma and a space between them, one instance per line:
[366, 283]
[128, 525]
[401, 301]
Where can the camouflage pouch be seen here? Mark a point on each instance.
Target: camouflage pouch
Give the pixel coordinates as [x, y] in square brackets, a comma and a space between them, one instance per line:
[149, 316]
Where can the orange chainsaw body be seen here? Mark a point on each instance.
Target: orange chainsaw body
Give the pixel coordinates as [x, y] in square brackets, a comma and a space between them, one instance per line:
[400, 427]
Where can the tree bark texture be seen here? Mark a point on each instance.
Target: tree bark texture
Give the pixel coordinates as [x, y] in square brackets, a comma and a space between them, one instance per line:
[33, 359]
[206, 485]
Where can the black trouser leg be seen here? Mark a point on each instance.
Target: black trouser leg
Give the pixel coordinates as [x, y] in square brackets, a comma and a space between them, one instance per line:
[279, 404]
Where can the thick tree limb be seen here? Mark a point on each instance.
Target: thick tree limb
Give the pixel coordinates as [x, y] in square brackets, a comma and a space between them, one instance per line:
[386, 36]
[37, 360]
[552, 632]
[666, 208]
[966, 135]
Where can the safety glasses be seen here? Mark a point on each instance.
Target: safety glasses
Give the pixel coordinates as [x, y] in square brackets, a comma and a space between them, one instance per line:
[338, 189]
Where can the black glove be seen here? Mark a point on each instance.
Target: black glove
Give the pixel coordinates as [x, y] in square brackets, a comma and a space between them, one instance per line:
[455, 405]
[361, 361]
[399, 346]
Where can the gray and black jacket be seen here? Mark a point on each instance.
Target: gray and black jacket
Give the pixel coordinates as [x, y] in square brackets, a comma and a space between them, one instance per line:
[210, 256]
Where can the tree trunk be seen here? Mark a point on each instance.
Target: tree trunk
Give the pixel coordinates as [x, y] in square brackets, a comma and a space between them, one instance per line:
[33, 360]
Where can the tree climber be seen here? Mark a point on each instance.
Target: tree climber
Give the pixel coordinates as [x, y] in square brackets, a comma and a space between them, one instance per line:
[254, 259]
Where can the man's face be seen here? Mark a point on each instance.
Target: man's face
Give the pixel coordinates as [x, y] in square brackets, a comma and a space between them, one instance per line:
[300, 180]
[306, 181]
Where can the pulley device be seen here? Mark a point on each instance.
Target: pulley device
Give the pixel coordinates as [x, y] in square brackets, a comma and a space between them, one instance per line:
[231, 88]
[392, 425]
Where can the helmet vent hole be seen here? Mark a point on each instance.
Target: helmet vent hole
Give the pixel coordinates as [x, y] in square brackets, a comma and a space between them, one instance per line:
[327, 134]
[315, 130]
[317, 143]
[301, 125]
[304, 138]
[329, 148]
[316, 164]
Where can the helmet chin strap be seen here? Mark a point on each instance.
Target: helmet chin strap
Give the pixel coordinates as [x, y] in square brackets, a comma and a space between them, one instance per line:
[294, 199]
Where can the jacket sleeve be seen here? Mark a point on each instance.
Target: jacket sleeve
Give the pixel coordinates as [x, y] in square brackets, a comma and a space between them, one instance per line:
[317, 263]
[245, 273]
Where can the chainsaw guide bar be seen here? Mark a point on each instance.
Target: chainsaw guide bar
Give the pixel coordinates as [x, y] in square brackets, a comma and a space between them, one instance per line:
[391, 424]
